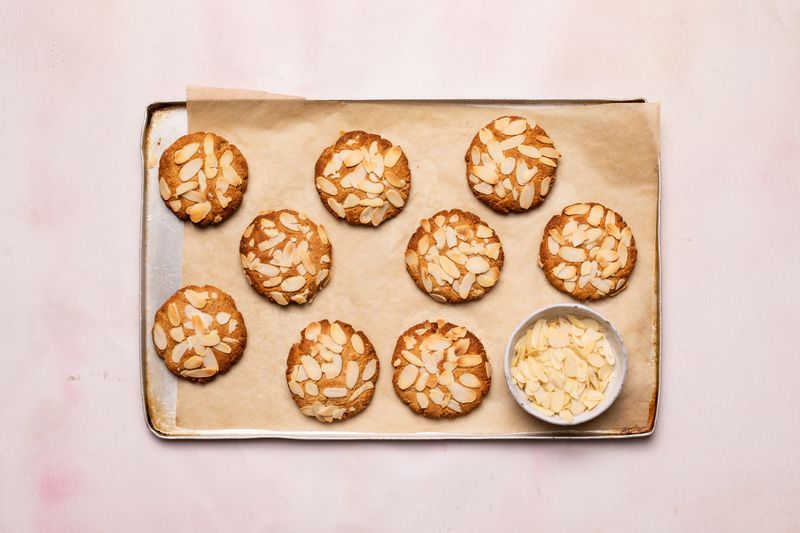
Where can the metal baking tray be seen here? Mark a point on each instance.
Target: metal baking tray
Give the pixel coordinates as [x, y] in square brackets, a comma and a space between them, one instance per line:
[160, 276]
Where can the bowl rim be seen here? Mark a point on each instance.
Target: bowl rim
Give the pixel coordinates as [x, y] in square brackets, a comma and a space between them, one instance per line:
[621, 362]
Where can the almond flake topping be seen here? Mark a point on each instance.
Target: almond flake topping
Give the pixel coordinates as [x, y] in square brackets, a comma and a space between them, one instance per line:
[513, 147]
[331, 369]
[590, 250]
[456, 257]
[563, 365]
[191, 344]
[362, 179]
[430, 372]
[285, 255]
[205, 177]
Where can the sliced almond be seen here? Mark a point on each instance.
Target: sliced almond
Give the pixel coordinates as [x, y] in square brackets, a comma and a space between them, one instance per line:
[357, 343]
[483, 188]
[338, 334]
[411, 358]
[595, 215]
[183, 188]
[577, 209]
[449, 267]
[484, 232]
[544, 187]
[333, 368]
[163, 189]
[351, 374]
[574, 255]
[529, 151]
[210, 166]
[326, 186]
[312, 331]
[552, 245]
[395, 198]
[467, 361]
[193, 362]
[334, 392]
[370, 187]
[515, 127]
[461, 393]
[407, 377]
[159, 337]
[173, 314]
[199, 211]
[526, 196]
[369, 369]
[567, 272]
[622, 255]
[602, 285]
[610, 269]
[296, 389]
[411, 259]
[312, 368]
[501, 123]
[469, 380]
[367, 385]
[197, 299]
[352, 157]
[190, 169]
[423, 245]
[475, 155]
[199, 373]
[336, 207]
[392, 156]
[422, 400]
[477, 265]
[550, 152]
[185, 153]
[486, 174]
[489, 278]
[466, 285]
[437, 396]
[351, 200]
[511, 143]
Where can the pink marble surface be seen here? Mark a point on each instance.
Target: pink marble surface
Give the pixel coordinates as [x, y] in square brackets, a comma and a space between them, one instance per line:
[75, 78]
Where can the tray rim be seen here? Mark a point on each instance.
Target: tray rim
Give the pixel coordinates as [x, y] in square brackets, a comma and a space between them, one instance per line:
[334, 436]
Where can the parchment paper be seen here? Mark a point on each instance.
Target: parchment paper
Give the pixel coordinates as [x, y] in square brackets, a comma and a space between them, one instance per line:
[610, 155]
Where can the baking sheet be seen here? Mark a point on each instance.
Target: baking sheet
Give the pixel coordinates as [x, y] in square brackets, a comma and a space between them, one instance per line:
[610, 155]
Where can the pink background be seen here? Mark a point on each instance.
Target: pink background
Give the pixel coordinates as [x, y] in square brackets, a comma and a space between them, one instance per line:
[75, 78]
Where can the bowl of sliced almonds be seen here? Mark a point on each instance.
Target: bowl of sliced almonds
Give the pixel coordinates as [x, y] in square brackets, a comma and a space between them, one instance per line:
[565, 364]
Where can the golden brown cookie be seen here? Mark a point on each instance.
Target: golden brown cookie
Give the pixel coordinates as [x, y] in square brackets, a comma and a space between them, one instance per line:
[286, 256]
[332, 371]
[199, 333]
[454, 256]
[202, 177]
[440, 370]
[587, 251]
[363, 178]
[511, 164]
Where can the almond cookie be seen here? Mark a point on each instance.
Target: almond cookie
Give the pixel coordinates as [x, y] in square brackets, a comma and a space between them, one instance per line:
[363, 178]
[511, 164]
[199, 333]
[454, 256]
[332, 371]
[587, 251]
[440, 370]
[202, 177]
[286, 256]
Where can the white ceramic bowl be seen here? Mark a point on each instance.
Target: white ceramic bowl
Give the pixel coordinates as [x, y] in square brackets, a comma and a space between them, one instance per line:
[620, 368]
